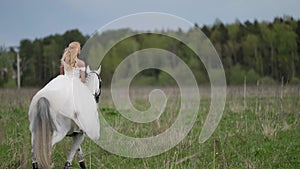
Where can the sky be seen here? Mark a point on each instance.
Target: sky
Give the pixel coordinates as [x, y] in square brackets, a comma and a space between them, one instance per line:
[31, 19]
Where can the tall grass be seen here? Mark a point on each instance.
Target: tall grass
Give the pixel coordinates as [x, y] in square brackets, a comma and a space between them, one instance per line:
[257, 135]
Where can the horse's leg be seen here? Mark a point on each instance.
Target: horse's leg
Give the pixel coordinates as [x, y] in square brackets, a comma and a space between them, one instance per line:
[57, 137]
[77, 140]
[63, 125]
[81, 158]
[34, 162]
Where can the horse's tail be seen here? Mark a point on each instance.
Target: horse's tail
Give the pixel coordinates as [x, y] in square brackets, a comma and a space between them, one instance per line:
[42, 136]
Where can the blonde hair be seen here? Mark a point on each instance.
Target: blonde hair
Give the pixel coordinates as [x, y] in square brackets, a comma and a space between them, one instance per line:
[70, 55]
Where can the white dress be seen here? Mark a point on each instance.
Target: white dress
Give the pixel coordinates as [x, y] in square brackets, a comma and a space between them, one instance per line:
[71, 98]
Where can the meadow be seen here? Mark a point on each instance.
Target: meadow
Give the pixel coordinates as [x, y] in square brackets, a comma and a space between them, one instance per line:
[260, 129]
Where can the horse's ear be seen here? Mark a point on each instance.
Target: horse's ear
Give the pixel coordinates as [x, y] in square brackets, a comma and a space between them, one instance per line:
[88, 70]
[99, 70]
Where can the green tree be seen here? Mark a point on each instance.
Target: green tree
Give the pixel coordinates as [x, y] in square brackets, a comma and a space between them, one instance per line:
[286, 45]
[252, 57]
[269, 37]
[73, 35]
[38, 63]
[7, 58]
[27, 63]
[52, 53]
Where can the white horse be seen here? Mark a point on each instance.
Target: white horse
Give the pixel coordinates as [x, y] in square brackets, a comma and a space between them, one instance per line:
[45, 134]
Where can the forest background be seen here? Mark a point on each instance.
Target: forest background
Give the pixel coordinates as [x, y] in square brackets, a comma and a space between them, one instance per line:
[265, 52]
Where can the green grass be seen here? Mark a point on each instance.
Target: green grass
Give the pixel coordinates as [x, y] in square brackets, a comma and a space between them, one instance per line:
[259, 136]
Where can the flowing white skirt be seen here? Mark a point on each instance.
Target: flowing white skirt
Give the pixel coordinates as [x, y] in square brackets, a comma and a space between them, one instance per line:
[69, 97]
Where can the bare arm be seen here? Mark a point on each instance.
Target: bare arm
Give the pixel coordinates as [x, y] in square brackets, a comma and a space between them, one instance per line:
[81, 63]
[61, 69]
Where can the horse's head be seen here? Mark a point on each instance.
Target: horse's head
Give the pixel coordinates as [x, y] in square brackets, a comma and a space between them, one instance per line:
[93, 81]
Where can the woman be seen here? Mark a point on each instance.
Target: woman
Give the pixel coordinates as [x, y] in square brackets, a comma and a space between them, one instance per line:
[74, 48]
[70, 97]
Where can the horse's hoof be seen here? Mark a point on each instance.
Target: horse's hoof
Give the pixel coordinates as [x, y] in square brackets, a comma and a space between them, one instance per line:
[35, 165]
[82, 165]
[67, 165]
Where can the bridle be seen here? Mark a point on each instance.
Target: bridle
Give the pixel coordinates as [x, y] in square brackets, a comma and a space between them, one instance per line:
[97, 95]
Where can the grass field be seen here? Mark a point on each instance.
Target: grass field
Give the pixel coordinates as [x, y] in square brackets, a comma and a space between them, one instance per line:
[259, 129]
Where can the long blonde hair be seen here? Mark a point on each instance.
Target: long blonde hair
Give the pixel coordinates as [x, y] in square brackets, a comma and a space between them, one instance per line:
[70, 55]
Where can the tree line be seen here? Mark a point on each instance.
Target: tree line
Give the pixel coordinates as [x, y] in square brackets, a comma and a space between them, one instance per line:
[264, 51]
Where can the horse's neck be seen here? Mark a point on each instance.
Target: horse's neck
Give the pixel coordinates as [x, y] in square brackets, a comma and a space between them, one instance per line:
[90, 82]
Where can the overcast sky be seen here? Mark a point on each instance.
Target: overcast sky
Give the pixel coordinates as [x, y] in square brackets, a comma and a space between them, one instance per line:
[30, 19]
